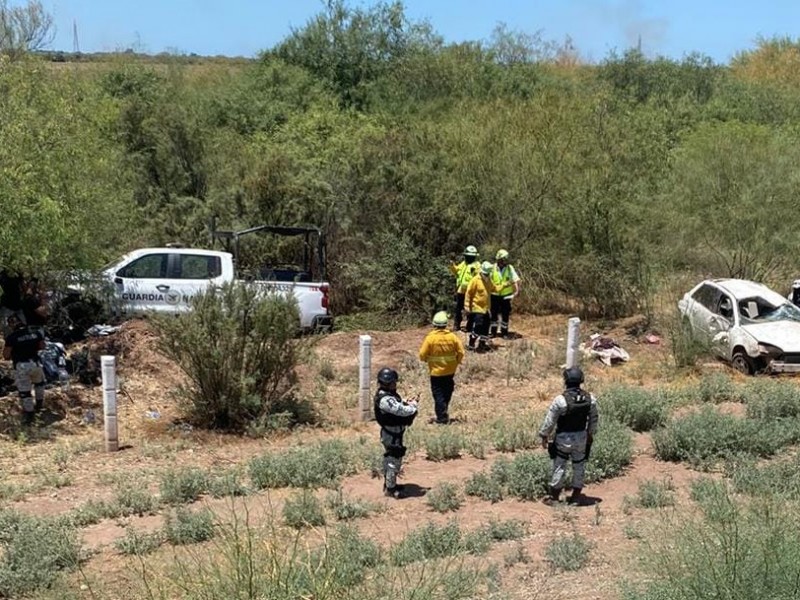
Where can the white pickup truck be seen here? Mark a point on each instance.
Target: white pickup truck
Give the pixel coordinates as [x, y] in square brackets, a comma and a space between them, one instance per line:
[164, 280]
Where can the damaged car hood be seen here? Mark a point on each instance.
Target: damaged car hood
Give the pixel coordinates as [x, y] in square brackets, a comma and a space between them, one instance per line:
[783, 334]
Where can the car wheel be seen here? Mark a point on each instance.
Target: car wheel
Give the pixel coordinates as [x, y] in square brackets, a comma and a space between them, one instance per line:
[743, 363]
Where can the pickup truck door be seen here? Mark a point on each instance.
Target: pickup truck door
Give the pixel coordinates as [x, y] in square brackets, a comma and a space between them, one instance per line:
[194, 273]
[142, 283]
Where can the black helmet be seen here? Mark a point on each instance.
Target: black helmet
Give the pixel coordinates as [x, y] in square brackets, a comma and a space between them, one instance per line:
[387, 376]
[573, 377]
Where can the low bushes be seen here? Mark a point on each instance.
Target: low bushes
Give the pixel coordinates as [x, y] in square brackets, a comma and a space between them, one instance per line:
[636, 407]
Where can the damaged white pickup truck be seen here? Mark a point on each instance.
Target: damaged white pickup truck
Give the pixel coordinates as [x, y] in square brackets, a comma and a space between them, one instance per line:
[745, 323]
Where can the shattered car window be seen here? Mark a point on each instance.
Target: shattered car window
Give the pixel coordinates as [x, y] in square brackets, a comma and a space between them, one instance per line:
[759, 310]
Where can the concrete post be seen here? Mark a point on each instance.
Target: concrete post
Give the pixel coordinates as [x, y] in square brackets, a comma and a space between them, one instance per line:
[108, 366]
[364, 377]
[573, 340]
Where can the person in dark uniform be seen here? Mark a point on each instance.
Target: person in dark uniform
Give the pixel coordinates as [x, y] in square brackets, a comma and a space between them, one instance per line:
[573, 415]
[394, 416]
[11, 286]
[22, 347]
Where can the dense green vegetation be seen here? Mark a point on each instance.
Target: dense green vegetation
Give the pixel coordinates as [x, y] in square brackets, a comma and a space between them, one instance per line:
[602, 180]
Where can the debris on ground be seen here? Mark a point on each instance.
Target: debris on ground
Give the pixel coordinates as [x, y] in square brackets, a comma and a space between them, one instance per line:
[652, 338]
[101, 330]
[605, 349]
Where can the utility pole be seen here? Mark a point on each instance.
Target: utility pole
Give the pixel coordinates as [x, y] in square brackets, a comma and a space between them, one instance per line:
[76, 47]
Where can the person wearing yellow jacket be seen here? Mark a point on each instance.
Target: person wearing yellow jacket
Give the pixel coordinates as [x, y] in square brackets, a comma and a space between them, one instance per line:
[506, 282]
[443, 351]
[477, 301]
[464, 272]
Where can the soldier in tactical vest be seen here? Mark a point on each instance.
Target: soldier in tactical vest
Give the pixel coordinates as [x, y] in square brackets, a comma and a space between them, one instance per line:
[393, 415]
[22, 347]
[573, 415]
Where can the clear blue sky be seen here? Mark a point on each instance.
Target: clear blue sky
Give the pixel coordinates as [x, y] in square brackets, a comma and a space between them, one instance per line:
[244, 27]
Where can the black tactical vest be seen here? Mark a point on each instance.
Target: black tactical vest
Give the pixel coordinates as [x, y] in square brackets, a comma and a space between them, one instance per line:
[387, 419]
[576, 418]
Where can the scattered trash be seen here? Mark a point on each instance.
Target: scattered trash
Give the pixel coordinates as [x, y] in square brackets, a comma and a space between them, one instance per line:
[101, 330]
[88, 417]
[605, 349]
[152, 414]
[652, 338]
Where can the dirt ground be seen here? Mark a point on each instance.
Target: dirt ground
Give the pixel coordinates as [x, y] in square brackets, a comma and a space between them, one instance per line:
[61, 466]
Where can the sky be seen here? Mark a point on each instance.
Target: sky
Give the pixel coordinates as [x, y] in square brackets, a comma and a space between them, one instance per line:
[673, 28]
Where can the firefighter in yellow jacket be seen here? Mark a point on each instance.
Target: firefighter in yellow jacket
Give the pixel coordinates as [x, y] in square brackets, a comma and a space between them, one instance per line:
[464, 272]
[478, 303]
[443, 351]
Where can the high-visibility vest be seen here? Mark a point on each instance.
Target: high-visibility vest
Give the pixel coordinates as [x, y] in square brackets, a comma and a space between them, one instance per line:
[464, 273]
[502, 280]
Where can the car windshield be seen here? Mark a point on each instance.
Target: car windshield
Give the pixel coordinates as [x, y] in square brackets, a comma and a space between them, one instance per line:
[759, 310]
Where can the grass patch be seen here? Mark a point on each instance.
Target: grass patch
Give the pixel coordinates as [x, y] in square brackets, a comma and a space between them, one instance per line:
[138, 543]
[319, 465]
[94, 511]
[183, 527]
[528, 475]
[779, 478]
[655, 494]
[182, 486]
[612, 452]
[433, 541]
[303, 510]
[34, 552]
[221, 484]
[517, 434]
[636, 407]
[346, 509]
[708, 436]
[484, 486]
[718, 387]
[769, 399]
[444, 497]
[446, 444]
[134, 501]
[731, 549]
[568, 553]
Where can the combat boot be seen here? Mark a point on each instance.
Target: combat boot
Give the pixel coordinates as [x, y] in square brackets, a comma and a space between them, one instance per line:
[396, 492]
[576, 497]
[553, 496]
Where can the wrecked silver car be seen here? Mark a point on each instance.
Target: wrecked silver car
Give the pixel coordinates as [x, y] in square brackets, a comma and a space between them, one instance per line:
[745, 323]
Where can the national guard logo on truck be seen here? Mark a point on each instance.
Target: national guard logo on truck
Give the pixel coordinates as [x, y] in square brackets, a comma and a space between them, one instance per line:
[172, 297]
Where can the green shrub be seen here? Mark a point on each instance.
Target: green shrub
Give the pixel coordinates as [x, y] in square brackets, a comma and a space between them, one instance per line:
[517, 434]
[685, 345]
[226, 483]
[238, 349]
[568, 553]
[502, 531]
[718, 387]
[428, 542]
[183, 526]
[779, 478]
[34, 551]
[345, 509]
[612, 452]
[484, 486]
[638, 408]
[446, 444]
[138, 543]
[708, 436]
[655, 494]
[94, 511]
[135, 501]
[183, 485]
[529, 475]
[770, 399]
[303, 510]
[345, 558]
[444, 497]
[319, 465]
[732, 549]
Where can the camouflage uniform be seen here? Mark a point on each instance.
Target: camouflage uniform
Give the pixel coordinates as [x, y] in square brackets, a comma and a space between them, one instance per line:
[574, 416]
[394, 416]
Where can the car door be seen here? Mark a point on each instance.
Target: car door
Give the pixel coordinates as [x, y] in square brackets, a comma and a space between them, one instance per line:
[194, 272]
[141, 283]
[703, 314]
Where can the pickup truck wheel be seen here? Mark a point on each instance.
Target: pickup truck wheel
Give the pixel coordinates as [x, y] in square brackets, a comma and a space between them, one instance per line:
[743, 363]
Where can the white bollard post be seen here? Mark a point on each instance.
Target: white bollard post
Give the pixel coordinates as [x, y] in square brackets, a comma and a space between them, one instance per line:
[364, 376]
[573, 339]
[108, 366]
